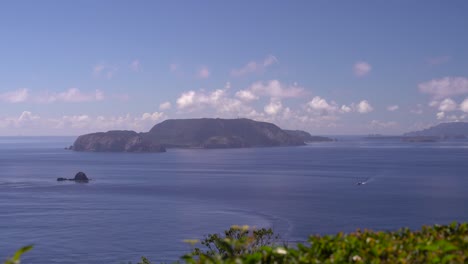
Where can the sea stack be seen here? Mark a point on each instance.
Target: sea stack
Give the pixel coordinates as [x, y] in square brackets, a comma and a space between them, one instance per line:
[81, 177]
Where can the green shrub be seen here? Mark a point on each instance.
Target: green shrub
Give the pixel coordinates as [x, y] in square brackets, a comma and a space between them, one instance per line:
[17, 256]
[436, 244]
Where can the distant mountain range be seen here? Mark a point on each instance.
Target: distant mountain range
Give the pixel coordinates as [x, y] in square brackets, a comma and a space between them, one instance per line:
[195, 133]
[453, 130]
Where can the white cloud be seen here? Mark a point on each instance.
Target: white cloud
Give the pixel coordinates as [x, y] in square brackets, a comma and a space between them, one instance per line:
[445, 87]
[364, 107]
[27, 116]
[275, 89]
[203, 73]
[217, 99]
[273, 108]
[393, 108]
[361, 68]
[152, 116]
[346, 109]
[135, 65]
[18, 96]
[319, 104]
[165, 106]
[72, 95]
[187, 99]
[246, 95]
[447, 105]
[464, 105]
[26, 119]
[440, 115]
[255, 66]
[85, 123]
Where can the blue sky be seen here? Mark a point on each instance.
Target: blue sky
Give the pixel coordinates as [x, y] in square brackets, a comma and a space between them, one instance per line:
[328, 67]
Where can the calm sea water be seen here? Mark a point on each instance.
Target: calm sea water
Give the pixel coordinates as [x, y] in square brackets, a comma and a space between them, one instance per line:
[146, 204]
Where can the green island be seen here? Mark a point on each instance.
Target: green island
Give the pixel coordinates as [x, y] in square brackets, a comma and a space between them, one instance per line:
[242, 244]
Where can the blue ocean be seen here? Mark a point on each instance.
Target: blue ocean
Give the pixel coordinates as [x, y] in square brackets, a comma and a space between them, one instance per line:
[147, 204]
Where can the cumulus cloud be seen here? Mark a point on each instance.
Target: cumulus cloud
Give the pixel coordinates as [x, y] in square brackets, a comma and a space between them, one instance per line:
[440, 115]
[135, 65]
[361, 68]
[364, 107]
[17, 96]
[72, 95]
[203, 73]
[217, 99]
[464, 105]
[273, 108]
[445, 87]
[246, 95]
[346, 109]
[321, 105]
[165, 106]
[393, 108]
[187, 99]
[276, 89]
[81, 123]
[25, 119]
[152, 116]
[447, 105]
[254, 66]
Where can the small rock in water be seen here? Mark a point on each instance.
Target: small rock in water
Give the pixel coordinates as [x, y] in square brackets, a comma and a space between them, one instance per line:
[81, 177]
[62, 179]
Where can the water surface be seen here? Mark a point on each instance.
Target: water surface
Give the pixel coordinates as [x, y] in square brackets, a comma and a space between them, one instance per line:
[146, 204]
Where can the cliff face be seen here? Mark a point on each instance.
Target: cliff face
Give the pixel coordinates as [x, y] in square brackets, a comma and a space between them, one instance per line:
[116, 141]
[220, 133]
[443, 131]
[307, 137]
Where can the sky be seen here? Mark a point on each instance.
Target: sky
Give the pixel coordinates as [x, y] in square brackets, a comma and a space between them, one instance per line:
[327, 67]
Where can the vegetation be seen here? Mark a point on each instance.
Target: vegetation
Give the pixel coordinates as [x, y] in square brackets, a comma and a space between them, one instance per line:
[434, 244]
[17, 256]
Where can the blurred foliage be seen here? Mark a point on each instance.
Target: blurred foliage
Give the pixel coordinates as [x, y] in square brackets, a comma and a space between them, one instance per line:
[16, 259]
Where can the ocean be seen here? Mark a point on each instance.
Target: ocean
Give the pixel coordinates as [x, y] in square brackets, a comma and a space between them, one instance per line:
[140, 204]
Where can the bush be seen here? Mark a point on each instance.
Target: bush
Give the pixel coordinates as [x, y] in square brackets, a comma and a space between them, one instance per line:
[436, 244]
[236, 241]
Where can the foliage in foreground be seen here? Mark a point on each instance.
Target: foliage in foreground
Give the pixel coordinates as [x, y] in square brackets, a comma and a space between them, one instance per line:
[434, 244]
[17, 256]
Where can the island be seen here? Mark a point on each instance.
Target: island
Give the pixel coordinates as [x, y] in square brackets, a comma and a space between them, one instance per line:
[204, 133]
[442, 131]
